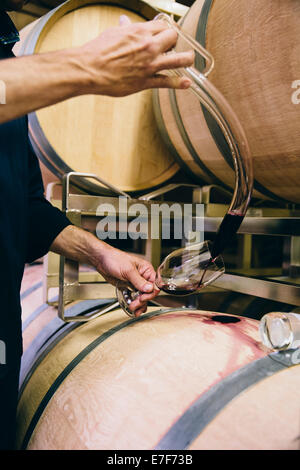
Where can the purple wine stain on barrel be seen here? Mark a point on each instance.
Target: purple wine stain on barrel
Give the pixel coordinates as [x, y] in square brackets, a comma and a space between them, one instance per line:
[228, 228]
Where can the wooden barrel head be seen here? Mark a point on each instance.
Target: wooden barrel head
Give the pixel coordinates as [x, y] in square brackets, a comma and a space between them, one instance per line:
[263, 417]
[172, 379]
[124, 384]
[256, 64]
[114, 138]
[40, 319]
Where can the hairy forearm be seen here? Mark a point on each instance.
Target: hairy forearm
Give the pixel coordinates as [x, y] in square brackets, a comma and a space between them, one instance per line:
[113, 264]
[33, 82]
[119, 62]
[79, 245]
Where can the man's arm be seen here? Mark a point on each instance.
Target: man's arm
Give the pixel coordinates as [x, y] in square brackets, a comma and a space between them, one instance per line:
[49, 229]
[115, 265]
[121, 61]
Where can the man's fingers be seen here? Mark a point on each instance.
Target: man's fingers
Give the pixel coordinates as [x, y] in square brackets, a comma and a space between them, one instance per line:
[142, 299]
[155, 27]
[146, 297]
[136, 304]
[139, 282]
[151, 27]
[124, 20]
[146, 270]
[166, 40]
[165, 81]
[140, 311]
[174, 60]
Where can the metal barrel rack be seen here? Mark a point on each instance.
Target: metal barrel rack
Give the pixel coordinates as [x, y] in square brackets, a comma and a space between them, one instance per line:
[279, 283]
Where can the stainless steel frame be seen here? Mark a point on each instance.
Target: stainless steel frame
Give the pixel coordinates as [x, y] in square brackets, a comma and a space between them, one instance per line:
[282, 289]
[81, 209]
[70, 288]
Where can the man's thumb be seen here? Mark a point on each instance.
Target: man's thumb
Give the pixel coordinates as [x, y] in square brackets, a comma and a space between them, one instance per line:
[124, 20]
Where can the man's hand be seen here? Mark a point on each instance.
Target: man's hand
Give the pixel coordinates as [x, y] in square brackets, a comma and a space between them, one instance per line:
[115, 265]
[128, 58]
[120, 61]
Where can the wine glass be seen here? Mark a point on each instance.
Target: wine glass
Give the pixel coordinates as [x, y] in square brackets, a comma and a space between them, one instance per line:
[183, 272]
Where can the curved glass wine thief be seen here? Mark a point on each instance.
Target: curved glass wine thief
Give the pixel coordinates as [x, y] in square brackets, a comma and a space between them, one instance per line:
[280, 330]
[187, 270]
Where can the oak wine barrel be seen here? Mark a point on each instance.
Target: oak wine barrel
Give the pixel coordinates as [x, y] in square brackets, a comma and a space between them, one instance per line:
[163, 381]
[41, 317]
[29, 12]
[257, 61]
[169, 6]
[114, 138]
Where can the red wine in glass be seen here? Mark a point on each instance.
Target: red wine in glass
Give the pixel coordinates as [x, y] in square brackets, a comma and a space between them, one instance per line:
[183, 272]
[176, 291]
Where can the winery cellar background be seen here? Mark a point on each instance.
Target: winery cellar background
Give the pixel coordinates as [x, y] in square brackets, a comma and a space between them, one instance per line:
[264, 253]
[263, 259]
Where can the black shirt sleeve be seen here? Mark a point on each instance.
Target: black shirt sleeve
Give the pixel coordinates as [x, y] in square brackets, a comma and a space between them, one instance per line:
[45, 222]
